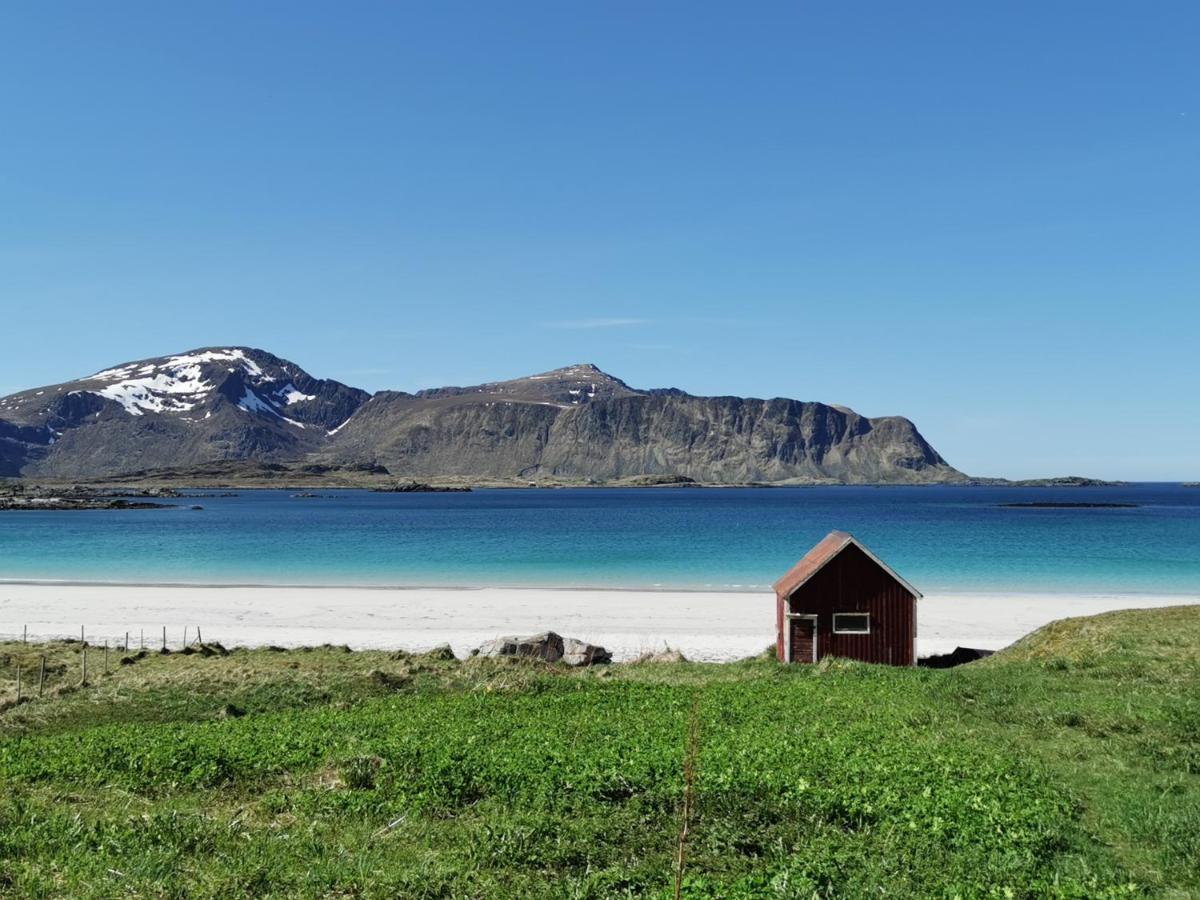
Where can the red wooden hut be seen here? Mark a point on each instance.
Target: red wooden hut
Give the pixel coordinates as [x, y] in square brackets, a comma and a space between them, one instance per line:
[843, 600]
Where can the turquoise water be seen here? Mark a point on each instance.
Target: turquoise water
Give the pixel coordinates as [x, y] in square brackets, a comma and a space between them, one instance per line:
[940, 538]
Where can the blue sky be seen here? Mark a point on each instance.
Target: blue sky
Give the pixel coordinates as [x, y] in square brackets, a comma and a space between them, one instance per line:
[985, 217]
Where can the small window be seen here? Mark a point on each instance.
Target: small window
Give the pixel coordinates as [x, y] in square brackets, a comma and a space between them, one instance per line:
[851, 623]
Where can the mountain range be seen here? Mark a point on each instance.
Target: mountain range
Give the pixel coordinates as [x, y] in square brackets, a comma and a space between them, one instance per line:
[574, 424]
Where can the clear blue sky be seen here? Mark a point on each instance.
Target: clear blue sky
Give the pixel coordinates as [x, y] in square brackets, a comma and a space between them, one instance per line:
[985, 217]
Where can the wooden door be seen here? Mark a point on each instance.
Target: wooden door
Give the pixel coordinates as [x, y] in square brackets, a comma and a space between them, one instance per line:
[804, 639]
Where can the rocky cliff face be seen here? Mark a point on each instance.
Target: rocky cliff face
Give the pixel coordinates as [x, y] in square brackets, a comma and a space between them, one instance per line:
[581, 424]
[575, 423]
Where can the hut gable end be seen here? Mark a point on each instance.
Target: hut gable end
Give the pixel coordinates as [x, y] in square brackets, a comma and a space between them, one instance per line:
[842, 600]
[829, 548]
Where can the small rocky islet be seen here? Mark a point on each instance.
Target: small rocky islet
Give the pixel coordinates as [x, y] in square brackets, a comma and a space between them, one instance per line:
[420, 487]
[40, 497]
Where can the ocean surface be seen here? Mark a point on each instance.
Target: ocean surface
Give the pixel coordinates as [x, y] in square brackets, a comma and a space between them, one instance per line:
[939, 538]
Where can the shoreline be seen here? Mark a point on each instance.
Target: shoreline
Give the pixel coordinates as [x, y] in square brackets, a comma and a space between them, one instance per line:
[292, 479]
[705, 625]
[1183, 596]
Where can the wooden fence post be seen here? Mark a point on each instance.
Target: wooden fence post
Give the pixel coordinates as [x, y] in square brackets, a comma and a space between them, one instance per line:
[42, 676]
[127, 642]
[24, 634]
[185, 628]
[83, 679]
[164, 637]
[199, 640]
[81, 640]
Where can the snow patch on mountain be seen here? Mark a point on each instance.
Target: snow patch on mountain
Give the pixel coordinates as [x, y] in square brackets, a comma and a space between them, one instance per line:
[252, 403]
[290, 394]
[174, 385]
[203, 356]
[181, 364]
[334, 431]
[161, 392]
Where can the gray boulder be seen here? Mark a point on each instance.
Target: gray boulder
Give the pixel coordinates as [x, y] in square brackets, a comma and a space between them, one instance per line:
[547, 646]
[581, 653]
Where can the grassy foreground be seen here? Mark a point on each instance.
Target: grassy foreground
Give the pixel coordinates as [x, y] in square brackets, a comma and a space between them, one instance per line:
[1068, 765]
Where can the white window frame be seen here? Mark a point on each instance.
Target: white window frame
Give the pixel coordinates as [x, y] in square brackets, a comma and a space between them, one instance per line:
[837, 630]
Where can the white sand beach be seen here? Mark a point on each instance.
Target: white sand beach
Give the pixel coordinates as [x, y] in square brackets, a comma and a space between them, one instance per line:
[705, 626]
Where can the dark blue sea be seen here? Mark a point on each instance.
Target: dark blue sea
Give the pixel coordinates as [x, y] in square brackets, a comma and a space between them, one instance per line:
[939, 538]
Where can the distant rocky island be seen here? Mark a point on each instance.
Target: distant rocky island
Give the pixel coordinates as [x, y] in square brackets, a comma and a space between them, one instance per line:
[1065, 504]
[420, 487]
[1061, 481]
[238, 415]
[41, 497]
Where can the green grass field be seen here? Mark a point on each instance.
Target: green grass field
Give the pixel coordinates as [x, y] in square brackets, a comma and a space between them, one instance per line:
[1068, 765]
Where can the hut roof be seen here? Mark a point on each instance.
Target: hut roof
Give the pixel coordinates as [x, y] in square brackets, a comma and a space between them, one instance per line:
[817, 558]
